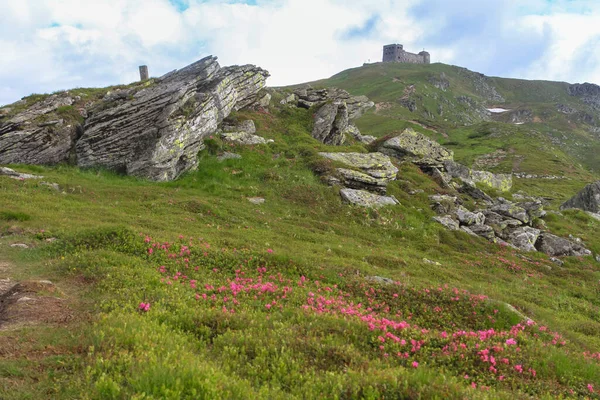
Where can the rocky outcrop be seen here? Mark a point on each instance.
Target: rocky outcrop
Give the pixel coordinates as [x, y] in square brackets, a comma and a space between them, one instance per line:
[11, 173]
[587, 92]
[366, 199]
[38, 135]
[448, 222]
[556, 246]
[417, 148]
[370, 171]
[587, 199]
[157, 131]
[524, 238]
[335, 111]
[355, 133]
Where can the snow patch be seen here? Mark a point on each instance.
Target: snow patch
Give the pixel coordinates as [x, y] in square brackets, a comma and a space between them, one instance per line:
[497, 110]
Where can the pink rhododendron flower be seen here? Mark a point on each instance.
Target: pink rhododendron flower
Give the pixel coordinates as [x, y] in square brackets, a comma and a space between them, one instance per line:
[511, 341]
[144, 307]
[415, 364]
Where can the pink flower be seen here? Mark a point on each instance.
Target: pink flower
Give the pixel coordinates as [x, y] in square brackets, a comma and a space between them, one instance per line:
[511, 341]
[415, 364]
[268, 306]
[150, 251]
[590, 387]
[519, 368]
[144, 307]
[269, 250]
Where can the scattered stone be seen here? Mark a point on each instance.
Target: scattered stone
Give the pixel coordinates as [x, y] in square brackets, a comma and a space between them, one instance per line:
[25, 299]
[366, 199]
[597, 257]
[17, 175]
[53, 186]
[556, 246]
[524, 238]
[19, 246]
[244, 138]
[229, 156]
[447, 222]
[426, 261]
[416, 191]
[417, 148]
[501, 182]
[557, 261]
[246, 126]
[535, 209]
[380, 280]
[468, 231]
[256, 200]
[588, 199]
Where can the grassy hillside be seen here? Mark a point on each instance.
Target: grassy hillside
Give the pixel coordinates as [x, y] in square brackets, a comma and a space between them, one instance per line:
[188, 290]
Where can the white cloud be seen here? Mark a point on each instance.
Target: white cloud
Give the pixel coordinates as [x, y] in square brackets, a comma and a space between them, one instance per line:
[56, 44]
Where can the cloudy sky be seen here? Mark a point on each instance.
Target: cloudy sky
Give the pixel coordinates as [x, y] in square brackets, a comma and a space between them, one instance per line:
[49, 45]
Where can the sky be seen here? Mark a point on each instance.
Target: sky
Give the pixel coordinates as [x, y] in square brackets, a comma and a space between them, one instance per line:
[51, 45]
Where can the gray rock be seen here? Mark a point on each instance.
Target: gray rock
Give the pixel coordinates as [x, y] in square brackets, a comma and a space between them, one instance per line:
[158, 131]
[367, 199]
[356, 105]
[475, 193]
[417, 148]
[330, 123]
[355, 133]
[380, 280]
[502, 182]
[228, 156]
[448, 222]
[243, 138]
[25, 141]
[557, 261]
[587, 199]
[289, 99]
[511, 210]
[373, 171]
[483, 231]
[53, 186]
[535, 209]
[468, 218]
[524, 238]
[246, 126]
[256, 200]
[468, 231]
[597, 257]
[438, 198]
[556, 246]
[19, 246]
[265, 101]
[17, 175]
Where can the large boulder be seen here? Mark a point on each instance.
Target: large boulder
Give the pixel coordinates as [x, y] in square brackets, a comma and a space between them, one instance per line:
[588, 199]
[412, 146]
[331, 123]
[524, 238]
[501, 182]
[370, 171]
[556, 246]
[469, 218]
[448, 222]
[366, 199]
[335, 110]
[157, 131]
[511, 210]
[38, 135]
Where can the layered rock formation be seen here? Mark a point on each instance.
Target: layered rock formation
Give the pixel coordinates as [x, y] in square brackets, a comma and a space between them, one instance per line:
[157, 132]
[38, 135]
[417, 148]
[335, 111]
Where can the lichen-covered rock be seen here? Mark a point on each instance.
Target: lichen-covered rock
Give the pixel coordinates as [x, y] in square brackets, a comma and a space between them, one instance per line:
[475, 193]
[556, 246]
[511, 210]
[469, 218]
[501, 182]
[484, 231]
[31, 138]
[366, 199]
[243, 138]
[355, 133]
[330, 123]
[372, 171]
[535, 209]
[412, 146]
[443, 204]
[524, 238]
[246, 126]
[587, 199]
[157, 132]
[448, 222]
[228, 156]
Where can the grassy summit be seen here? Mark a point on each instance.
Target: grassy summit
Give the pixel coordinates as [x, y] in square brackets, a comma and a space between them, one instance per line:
[188, 290]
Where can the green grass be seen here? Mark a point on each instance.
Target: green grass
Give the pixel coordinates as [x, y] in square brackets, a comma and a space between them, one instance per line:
[293, 271]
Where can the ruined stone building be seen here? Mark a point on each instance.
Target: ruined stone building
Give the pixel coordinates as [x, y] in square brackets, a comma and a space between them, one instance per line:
[396, 53]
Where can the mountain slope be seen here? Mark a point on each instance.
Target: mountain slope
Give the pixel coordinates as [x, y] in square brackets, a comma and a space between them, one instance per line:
[196, 288]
